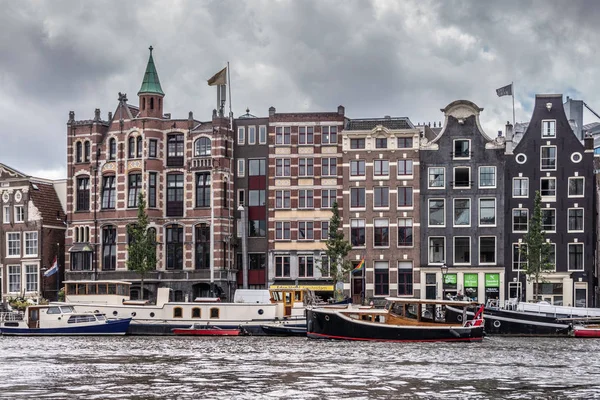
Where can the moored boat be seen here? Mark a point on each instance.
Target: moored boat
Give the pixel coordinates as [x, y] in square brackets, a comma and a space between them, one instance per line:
[586, 331]
[402, 320]
[285, 329]
[60, 321]
[207, 330]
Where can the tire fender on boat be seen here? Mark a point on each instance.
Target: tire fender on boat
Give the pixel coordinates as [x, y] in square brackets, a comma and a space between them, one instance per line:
[497, 324]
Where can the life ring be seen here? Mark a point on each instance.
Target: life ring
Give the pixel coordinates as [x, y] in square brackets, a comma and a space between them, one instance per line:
[327, 318]
[497, 324]
[459, 318]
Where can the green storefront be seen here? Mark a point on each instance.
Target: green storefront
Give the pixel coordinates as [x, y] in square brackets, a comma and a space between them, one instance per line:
[471, 285]
[492, 286]
[449, 287]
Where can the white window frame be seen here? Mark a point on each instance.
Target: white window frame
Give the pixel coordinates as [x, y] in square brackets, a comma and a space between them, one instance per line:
[27, 240]
[522, 260]
[306, 192]
[8, 241]
[283, 225]
[546, 197]
[582, 258]
[542, 159]
[352, 188]
[11, 272]
[383, 161]
[283, 191]
[241, 167]
[512, 220]
[243, 193]
[324, 237]
[443, 178]
[429, 261]
[241, 135]
[389, 228]
[521, 188]
[493, 186]
[34, 274]
[412, 226]
[6, 215]
[443, 225]
[328, 168]
[19, 214]
[398, 206]
[358, 223]
[454, 149]
[454, 213]
[553, 245]
[454, 177]
[495, 250]
[252, 134]
[569, 187]
[328, 141]
[306, 225]
[262, 139]
[306, 173]
[412, 168]
[329, 197]
[388, 198]
[548, 123]
[582, 230]
[454, 250]
[283, 175]
[305, 135]
[550, 209]
[495, 212]
[358, 177]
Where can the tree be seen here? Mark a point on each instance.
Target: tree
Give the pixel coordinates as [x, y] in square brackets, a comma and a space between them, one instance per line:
[536, 250]
[337, 250]
[142, 245]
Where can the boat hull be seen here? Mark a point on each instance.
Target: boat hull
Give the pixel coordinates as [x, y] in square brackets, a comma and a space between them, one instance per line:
[324, 324]
[583, 332]
[514, 323]
[112, 327]
[284, 330]
[207, 332]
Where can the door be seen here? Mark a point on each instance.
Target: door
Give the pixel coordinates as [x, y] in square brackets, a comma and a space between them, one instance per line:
[357, 289]
[288, 302]
[33, 319]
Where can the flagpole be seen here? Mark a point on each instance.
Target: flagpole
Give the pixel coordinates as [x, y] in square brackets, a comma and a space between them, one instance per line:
[229, 88]
[512, 87]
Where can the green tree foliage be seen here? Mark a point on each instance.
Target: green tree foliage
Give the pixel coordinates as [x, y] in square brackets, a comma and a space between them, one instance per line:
[337, 251]
[142, 247]
[535, 249]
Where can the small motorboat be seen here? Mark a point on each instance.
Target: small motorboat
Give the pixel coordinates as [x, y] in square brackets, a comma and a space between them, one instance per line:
[283, 329]
[60, 321]
[586, 331]
[208, 330]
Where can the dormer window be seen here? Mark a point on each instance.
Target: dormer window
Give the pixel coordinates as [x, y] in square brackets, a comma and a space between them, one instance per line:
[549, 129]
[381, 143]
[462, 149]
[202, 147]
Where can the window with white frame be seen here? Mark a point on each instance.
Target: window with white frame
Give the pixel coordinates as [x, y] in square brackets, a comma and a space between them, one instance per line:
[381, 197]
[575, 256]
[437, 178]
[283, 135]
[282, 167]
[282, 230]
[306, 198]
[306, 266]
[306, 135]
[31, 278]
[306, 166]
[306, 230]
[462, 250]
[13, 244]
[551, 260]
[283, 199]
[14, 278]
[519, 256]
[382, 278]
[437, 212]
[437, 250]
[357, 197]
[487, 177]
[462, 212]
[548, 158]
[381, 168]
[324, 230]
[462, 177]
[357, 143]
[357, 232]
[6, 215]
[405, 167]
[549, 220]
[357, 168]
[548, 187]
[405, 196]
[241, 167]
[462, 149]
[329, 135]
[241, 197]
[257, 197]
[19, 214]
[487, 250]
[576, 186]
[328, 166]
[405, 278]
[520, 187]
[520, 219]
[381, 232]
[262, 134]
[548, 129]
[31, 243]
[282, 266]
[325, 266]
[405, 143]
[487, 212]
[328, 197]
[251, 135]
[381, 143]
[405, 232]
[241, 138]
[575, 219]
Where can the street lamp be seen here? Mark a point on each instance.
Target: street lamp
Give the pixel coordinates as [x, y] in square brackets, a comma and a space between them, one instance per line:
[43, 279]
[444, 269]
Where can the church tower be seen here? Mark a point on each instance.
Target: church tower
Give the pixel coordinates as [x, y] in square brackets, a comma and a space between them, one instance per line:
[151, 94]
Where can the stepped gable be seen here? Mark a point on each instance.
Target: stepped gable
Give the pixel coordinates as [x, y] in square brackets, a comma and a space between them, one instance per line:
[46, 200]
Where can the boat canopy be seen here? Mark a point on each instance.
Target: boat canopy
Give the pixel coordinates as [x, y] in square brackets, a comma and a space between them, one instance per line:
[455, 303]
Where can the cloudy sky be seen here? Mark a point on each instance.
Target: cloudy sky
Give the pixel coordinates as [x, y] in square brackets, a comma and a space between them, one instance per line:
[376, 58]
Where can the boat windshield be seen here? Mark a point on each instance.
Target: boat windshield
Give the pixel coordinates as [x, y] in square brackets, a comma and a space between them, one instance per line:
[67, 309]
[101, 317]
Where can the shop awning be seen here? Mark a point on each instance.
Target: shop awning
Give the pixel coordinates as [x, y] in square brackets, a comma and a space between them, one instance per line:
[315, 288]
[81, 247]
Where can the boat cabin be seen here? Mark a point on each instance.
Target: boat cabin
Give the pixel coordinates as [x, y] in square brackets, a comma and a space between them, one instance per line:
[292, 300]
[49, 317]
[102, 292]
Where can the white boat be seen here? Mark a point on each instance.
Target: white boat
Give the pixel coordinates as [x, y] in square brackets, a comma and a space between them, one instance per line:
[252, 309]
[53, 320]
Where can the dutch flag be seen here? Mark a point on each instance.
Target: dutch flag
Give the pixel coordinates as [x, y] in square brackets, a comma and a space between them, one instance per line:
[53, 269]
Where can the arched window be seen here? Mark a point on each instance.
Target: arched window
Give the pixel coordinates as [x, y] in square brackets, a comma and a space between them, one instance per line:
[131, 144]
[214, 313]
[139, 146]
[152, 103]
[178, 312]
[86, 151]
[143, 103]
[174, 240]
[202, 147]
[196, 312]
[202, 246]
[109, 248]
[78, 152]
[112, 149]
[76, 232]
[87, 234]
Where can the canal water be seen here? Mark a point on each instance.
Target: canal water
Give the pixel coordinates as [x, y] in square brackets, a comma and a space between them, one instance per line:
[296, 368]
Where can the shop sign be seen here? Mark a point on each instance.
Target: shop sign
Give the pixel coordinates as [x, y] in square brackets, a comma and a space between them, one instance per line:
[492, 280]
[471, 280]
[450, 279]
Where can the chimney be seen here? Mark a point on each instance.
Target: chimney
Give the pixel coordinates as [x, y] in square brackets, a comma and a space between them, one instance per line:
[97, 114]
[341, 110]
[190, 120]
[509, 138]
[387, 117]
[499, 133]
[589, 143]
[110, 115]
[71, 116]
[271, 111]
[214, 113]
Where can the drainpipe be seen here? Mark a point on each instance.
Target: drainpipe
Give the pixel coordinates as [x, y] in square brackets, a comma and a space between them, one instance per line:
[244, 223]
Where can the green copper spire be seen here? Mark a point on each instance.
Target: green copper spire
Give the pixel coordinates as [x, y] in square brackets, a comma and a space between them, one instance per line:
[151, 83]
